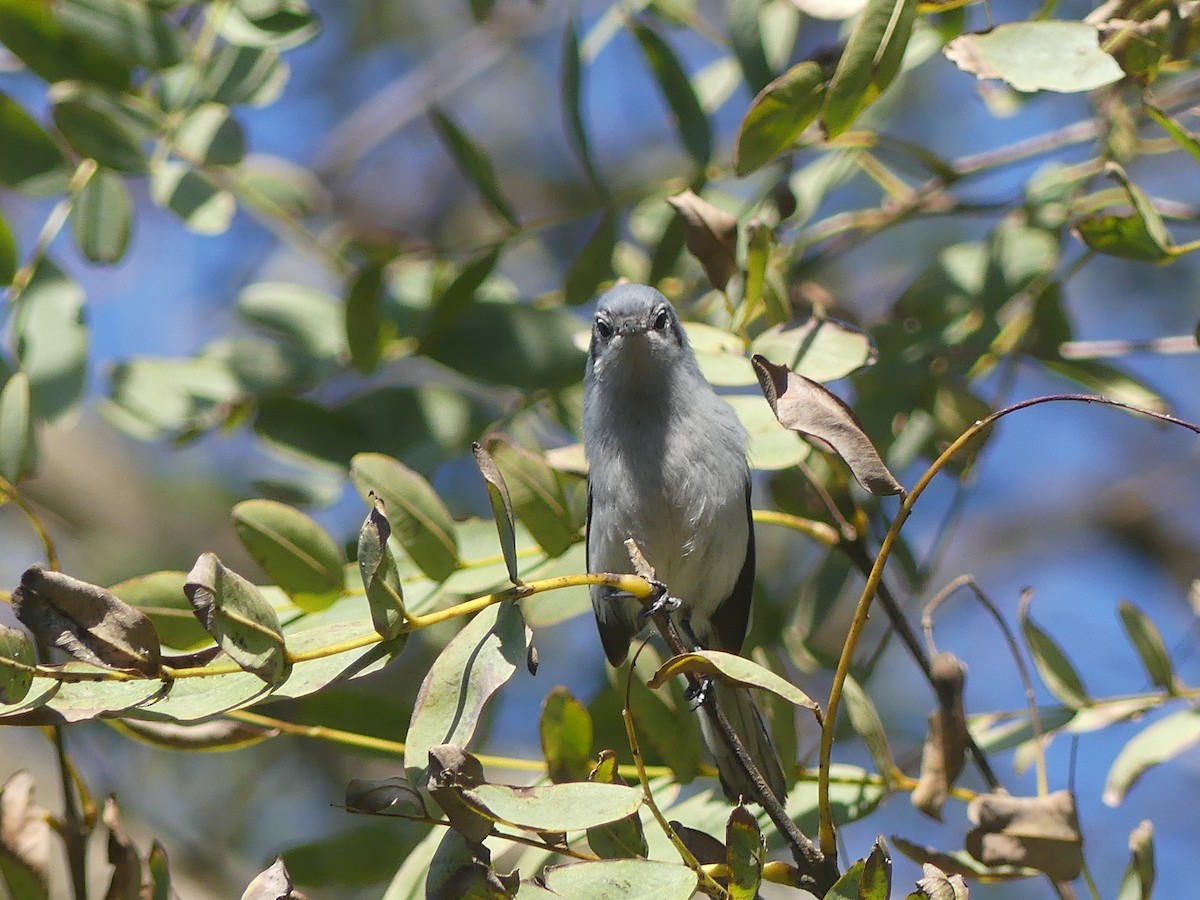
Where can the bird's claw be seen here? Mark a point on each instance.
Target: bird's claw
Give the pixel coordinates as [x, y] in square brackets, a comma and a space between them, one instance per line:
[663, 602]
[697, 693]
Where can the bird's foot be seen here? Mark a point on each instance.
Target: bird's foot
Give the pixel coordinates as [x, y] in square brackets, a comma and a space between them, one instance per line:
[663, 602]
[696, 694]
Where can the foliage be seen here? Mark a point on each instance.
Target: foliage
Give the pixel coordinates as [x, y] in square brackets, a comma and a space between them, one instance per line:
[451, 361]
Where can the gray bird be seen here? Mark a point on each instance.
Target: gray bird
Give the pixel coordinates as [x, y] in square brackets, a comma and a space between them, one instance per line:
[667, 467]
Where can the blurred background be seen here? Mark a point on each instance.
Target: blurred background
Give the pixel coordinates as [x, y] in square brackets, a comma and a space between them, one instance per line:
[1087, 506]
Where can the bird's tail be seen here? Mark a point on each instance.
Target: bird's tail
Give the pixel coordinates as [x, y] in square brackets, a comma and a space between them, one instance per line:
[739, 708]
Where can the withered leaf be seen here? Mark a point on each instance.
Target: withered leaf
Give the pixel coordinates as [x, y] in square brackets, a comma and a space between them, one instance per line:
[214, 734]
[625, 838]
[374, 795]
[1036, 832]
[945, 744]
[502, 507]
[272, 883]
[808, 407]
[745, 853]
[87, 621]
[937, 885]
[711, 236]
[128, 875]
[24, 838]
[707, 849]
[452, 770]
[237, 615]
[380, 577]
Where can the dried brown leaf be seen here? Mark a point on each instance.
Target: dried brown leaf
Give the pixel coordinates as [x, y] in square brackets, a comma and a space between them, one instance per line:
[711, 236]
[945, 744]
[1036, 832]
[87, 621]
[376, 795]
[807, 407]
[272, 883]
[24, 836]
[452, 770]
[129, 880]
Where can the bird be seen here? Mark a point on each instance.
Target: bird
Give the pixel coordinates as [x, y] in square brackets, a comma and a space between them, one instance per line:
[667, 467]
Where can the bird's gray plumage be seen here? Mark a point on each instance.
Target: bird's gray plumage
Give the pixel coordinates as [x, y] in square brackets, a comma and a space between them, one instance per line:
[667, 467]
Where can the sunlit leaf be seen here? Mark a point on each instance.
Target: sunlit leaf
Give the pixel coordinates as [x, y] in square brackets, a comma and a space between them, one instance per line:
[86, 621]
[1138, 881]
[237, 615]
[632, 879]
[1037, 56]
[1052, 664]
[624, 838]
[280, 24]
[16, 665]
[293, 550]
[1148, 641]
[869, 63]
[209, 135]
[110, 127]
[502, 508]
[52, 339]
[866, 722]
[819, 348]
[377, 567]
[573, 806]
[18, 438]
[273, 883]
[419, 519]
[745, 854]
[1159, 742]
[470, 669]
[191, 195]
[732, 668]
[565, 728]
[778, 116]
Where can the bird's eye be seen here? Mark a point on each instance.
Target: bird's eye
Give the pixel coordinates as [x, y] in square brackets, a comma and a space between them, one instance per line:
[662, 320]
[604, 329]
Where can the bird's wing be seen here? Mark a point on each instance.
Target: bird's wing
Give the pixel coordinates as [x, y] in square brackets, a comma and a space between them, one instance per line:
[731, 619]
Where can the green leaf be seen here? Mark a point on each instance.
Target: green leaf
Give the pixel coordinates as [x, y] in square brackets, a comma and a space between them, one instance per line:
[102, 218]
[745, 853]
[132, 31]
[1185, 139]
[1148, 642]
[283, 186]
[731, 668]
[237, 615]
[474, 163]
[363, 326]
[83, 701]
[818, 348]
[209, 135]
[876, 881]
[846, 887]
[593, 263]
[293, 550]
[539, 501]
[565, 729]
[772, 447]
[203, 207]
[31, 162]
[869, 63]
[1052, 664]
[624, 838]
[1125, 236]
[759, 242]
[160, 875]
[476, 663]
[18, 438]
[312, 636]
[1037, 56]
[1159, 742]
[693, 125]
[308, 319]
[16, 665]
[110, 127]
[778, 116]
[33, 33]
[621, 879]
[502, 508]
[419, 519]
[281, 24]
[574, 806]
[1108, 380]
[866, 723]
[151, 397]
[538, 350]
[1138, 881]
[52, 341]
[8, 253]
[746, 39]
[377, 567]
[252, 75]
[572, 100]
[160, 596]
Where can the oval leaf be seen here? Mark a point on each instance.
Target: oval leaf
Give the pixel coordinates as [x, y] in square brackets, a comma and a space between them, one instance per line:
[621, 879]
[778, 116]
[52, 341]
[565, 729]
[1146, 639]
[31, 162]
[474, 163]
[473, 666]
[102, 219]
[293, 550]
[160, 596]
[1158, 742]
[107, 126]
[869, 63]
[419, 519]
[745, 853]
[803, 405]
[537, 495]
[733, 669]
[237, 615]
[86, 621]
[1037, 56]
[18, 446]
[16, 665]
[1052, 664]
[574, 806]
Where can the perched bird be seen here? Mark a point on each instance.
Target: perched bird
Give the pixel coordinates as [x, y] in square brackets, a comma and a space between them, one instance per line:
[667, 467]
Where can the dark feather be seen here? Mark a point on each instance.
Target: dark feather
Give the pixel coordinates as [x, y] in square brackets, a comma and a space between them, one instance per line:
[732, 618]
